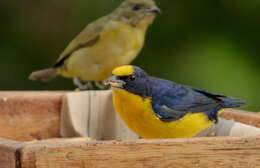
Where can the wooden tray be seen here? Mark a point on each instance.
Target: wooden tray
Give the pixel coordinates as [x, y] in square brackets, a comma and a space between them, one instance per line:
[30, 131]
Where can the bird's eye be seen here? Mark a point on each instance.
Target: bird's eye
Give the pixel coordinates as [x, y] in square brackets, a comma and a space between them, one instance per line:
[137, 7]
[132, 78]
[127, 78]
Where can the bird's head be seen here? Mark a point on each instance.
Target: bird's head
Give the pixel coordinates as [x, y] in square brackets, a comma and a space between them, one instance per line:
[137, 12]
[130, 78]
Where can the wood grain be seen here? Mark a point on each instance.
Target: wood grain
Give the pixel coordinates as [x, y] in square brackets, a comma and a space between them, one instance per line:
[27, 116]
[245, 117]
[9, 154]
[178, 153]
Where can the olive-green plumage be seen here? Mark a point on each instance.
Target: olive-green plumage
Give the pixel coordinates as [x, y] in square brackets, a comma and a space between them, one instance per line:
[110, 41]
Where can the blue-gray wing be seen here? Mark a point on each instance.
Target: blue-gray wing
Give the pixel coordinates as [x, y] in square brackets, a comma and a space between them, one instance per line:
[176, 101]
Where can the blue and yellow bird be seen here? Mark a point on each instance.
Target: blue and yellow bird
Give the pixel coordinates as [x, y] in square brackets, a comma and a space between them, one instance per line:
[158, 108]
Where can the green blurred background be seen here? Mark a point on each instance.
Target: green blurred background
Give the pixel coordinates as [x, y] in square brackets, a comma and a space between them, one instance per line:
[211, 44]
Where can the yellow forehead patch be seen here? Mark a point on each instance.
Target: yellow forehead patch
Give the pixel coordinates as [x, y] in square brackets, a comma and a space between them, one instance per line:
[125, 70]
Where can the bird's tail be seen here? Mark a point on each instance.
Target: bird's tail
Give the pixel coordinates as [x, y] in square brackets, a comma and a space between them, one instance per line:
[232, 102]
[44, 75]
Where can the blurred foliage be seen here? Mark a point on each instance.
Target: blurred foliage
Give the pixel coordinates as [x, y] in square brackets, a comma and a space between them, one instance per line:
[208, 44]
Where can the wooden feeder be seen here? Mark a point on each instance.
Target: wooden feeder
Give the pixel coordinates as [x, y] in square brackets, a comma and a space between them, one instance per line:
[32, 125]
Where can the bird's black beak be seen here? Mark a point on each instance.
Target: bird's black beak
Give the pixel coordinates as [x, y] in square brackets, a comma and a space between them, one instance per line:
[154, 10]
[114, 82]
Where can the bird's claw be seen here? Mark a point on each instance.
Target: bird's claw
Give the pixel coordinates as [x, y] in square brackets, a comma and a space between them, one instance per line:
[86, 86]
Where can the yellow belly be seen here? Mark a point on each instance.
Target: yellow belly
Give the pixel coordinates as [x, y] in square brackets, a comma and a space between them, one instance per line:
[118, 45]
[137, 113]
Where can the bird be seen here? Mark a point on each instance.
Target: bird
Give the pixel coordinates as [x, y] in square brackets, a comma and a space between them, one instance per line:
[157, 108]
[108, 42]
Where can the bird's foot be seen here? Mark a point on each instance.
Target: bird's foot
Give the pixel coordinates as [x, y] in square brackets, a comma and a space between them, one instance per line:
[86, 86]
[101, 85]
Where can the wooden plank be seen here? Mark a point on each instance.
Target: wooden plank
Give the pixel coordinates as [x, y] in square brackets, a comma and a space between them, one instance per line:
[230, 128]
[249, 118]
[9, 154]
[178, 153]
[30, 115]
[91, 114]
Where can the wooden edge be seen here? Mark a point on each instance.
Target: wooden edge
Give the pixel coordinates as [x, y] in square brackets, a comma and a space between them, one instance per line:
[10, 153]
[30, 93]
[249, 118]
[230, 128]
[26, 116]
[28, 153]
[56, 141]
[198, 152]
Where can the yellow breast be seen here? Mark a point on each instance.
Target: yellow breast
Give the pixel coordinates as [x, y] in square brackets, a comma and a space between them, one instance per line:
[118, 45]
[138, 114]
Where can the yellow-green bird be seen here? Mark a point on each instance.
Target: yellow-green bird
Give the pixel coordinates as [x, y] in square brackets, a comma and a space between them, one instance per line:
[110, 41]
[158, 108]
